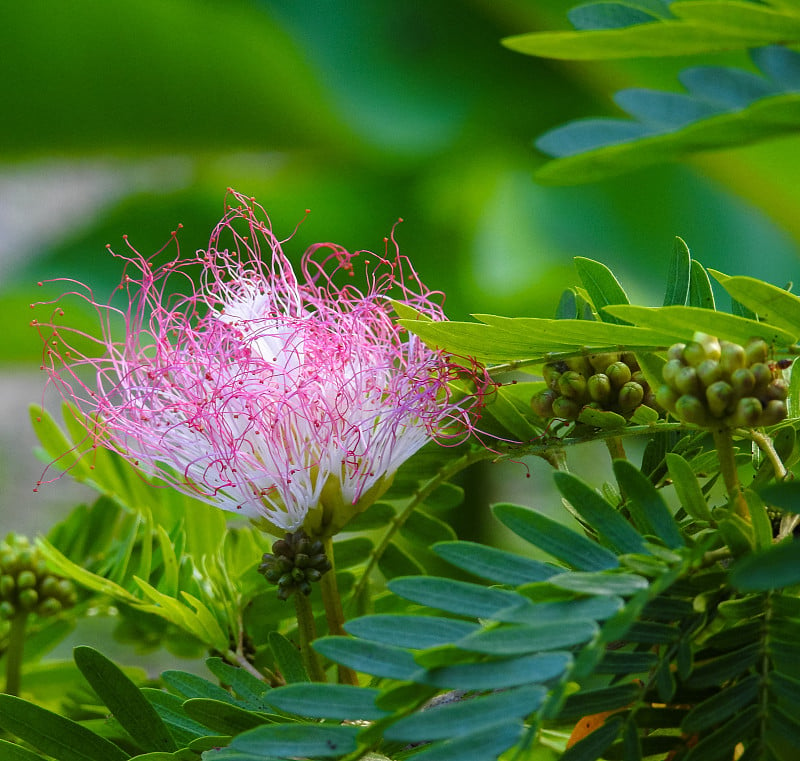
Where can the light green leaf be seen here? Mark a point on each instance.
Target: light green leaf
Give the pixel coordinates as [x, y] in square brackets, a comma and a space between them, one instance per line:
[493, 564]
[687, 487]
[424, 529]
[772, 304]
[193, 686]
[298, 741]
[603, 288]
[700, 293]
[249, 688]
[170, 709]
[600, 583]
[678, 276]
[221, 716]
[684, 321]
[372, 658]
[288, 658]
[529, 638]
[555, 538]
[121, 696]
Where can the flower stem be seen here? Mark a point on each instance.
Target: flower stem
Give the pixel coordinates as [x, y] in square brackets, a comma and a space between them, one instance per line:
[334, 612]
[16, 645]
[308, 633]
[723, 442]
[616, 448]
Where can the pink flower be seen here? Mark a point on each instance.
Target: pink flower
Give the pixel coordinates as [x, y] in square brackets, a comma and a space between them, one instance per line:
[263, 391]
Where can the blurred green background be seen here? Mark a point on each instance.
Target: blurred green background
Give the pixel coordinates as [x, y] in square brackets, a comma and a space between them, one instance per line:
[134, 117]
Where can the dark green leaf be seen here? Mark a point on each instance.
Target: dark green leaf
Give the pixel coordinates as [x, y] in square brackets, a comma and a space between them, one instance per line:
[555, 539]
[720, 706]
[615, 662]
[495, 675]
[370, 657]
[599, 514]
[54, 735]
[493, 564]
[646, 504]
[327, 701]
[458, 597]
[484, 745]
[297, 740]
[467, 715]
[719, 670]
[528, 638]
[651, 633]
[777, 567]
[590, 702]
[287, 658]
[607, 15]
[351, 552]
[566, 612]
[192, 686]
[13, 752]
[415, 632]
[719, 745]
[395, 561]
[700, 293]
[222, 717]
[424, 529]
[603, 288]
[170, 709]
[678, 277]
[131, 709]
[375, 516]
[784, 495]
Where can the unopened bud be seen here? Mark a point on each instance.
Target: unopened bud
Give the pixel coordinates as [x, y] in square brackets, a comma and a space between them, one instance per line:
[599, 388]
[694, 353]
[565, 409]
[709, 372]
[666, 397]
[28, 599]
[710, 344]
[687, 382]
[773, 413]
[542, 403]
[572, 385]
[743, 381]
[778, 389]
[630, 396]
[676, 352]
[732, 357]
[600, 362]
[748, 412]
[619, 374]
[691, 410]
[756, 351]
[26, 580]
[720, 397]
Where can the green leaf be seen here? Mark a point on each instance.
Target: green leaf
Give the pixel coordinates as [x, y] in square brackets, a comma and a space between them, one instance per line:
[287, 658]
[221, 716]
[370, 657]
[65, 454]
[170, 709]
[700, 293]
[687, 487]
[717, 671]
[395, 561]
[589, 702]
[592, 747]
[54, 735]
[772, 304]
[774, 568]
[528, 638]
[499, 674]
[297, 741]
[616, 662]
[624, 584]
[678, 275]
[567, 611]
[467, 715]
[415, 632]
[250, 689]
[555, 539]
[460, 597]
[602, 286]
[493, 564]
[646, 504]
[14, 752]
[328, 701]
[599, 514]
[123, 698]
[375, 516]
[784, 495]
[722, 705]
[352, 551]
[192, 686]
[483, 745]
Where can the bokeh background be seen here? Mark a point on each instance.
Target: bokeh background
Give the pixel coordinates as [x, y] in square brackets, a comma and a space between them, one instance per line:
[133, 117]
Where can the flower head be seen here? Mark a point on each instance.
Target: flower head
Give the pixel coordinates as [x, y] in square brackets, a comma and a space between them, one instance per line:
[264, 391]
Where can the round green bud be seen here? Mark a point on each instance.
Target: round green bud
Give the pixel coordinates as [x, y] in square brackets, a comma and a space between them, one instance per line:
[48, 587]
[66, 590]
[25, 559]
[599, 388]
[694, 353]
[773, 413]
[7, 610]
[676, 352]
[26, 580]
[551, 375]
[302, 547]
[619, 374]
[565, 409]
[301, 560]
[687, 382]
[721, 398]
[580, 365]
[305, 588]
[601, 361]
[319, 561]
[747, 413]
[638, 377]
[542, 403]
[756, 351]
[711, 345]
[778, 390]
[763, 376]
[732, 357]
[7, 586]
[282, 547]
[312, 574]
[670, 371]
[630, 396]
[572, 385]
[48, 607]
[284, 593]
[298, 574]
[743, 381]
[317, 548]
[273, 574]
[28, 599]
[691, 410]
[629, 358]
[709, 371]
[666, 397]
[284, 563]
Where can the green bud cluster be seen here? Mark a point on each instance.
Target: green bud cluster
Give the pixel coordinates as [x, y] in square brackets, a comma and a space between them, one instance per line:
[608, 381]
[26, 586]
[714, 384]
[295, 562]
